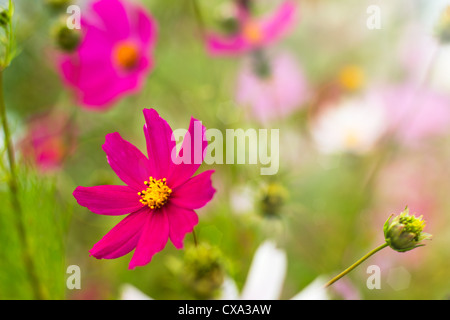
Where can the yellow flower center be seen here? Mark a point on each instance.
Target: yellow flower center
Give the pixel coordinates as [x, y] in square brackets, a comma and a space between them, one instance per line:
[126, 55]
[156, 194]
[351, 140]
[446, 15]
[252, 32]
[351, 77]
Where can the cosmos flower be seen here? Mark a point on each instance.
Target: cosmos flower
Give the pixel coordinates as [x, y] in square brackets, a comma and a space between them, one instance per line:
[50, 138]
[354, 126]
[253, 33]
[415, 113]
[114, 56]
[273, 88]
[160, 195]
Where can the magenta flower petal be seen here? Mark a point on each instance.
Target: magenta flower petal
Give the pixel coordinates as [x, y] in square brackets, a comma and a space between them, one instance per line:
[194, 193]
[191, 154]
[181, 222]
[101, 95]
[123, 238]
[158, 135]
[114, 18]
[277, 25]
[69, 71]
[96, 44]
[153, 239]
[108, 200]
[221, 45]
[146, 30]
[130, 165]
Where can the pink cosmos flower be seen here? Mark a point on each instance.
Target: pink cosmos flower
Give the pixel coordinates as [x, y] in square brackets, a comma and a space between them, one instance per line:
[114, 56]
[275, 95]
[159, 197]
[414, 113]
[49, 140]
[253, 33]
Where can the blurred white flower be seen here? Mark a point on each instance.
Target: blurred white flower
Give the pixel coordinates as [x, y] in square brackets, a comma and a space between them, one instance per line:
[266, 276]
[353, 126]
[130, 292]
[264, 280]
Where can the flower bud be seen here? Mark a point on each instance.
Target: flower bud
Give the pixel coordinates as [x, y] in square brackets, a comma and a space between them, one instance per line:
[58, 5]
[203, 271]
[226, 19]
[4, 18]
[273, 199]
[66, 39]
[405, 232]
[261, 65]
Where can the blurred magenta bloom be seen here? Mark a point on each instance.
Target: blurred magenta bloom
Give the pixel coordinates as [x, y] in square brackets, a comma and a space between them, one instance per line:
[50, 138]
[274, 95]
[114, 55]
[416, 113]
[160, 196]
[253, 33]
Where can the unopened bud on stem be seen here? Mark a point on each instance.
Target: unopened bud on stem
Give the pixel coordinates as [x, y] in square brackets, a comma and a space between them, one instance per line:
[405, 232]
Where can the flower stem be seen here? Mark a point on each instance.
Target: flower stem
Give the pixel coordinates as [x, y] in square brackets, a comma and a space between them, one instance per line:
[195, 237]
[14, 191]
[199, 18]
[357, 263]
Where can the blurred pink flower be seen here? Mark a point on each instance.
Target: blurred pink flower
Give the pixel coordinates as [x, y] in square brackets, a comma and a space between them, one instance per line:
[276, 94]
[114, 56]
[49, 139]
[160, 196]
[346, 290]
[416, 113]
[253, 33]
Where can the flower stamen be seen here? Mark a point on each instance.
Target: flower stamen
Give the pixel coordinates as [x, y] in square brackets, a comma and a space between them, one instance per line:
[126, 55]
[156, 194]
[252, 32]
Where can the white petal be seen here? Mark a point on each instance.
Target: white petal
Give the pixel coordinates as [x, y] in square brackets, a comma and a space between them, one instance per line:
[266, 276]
[229, 290]
[129, 292]
[314, 291]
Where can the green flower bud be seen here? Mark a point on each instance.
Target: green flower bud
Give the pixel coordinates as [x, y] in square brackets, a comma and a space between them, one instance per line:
[405, 231]
[229, 25]
[65, 38]
[203, 271]
[273, 198]
[4, 18]
[58, 5]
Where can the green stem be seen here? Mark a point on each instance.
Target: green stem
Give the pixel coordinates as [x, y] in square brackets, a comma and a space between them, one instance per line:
[357, 263]
[14, 191]
[195, 237]
[199, 18]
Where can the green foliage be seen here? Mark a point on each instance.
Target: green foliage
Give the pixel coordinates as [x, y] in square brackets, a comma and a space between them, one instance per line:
[45, 216]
